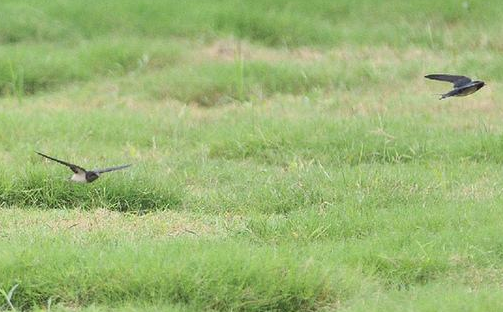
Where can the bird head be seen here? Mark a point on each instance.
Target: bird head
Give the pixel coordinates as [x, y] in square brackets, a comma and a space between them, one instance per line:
[91, 176]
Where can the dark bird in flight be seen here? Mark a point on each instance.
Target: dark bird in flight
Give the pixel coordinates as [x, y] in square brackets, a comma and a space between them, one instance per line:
[462, 85]
[82, 175]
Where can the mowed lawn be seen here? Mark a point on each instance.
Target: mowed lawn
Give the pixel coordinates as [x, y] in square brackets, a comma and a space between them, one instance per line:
[287, 156]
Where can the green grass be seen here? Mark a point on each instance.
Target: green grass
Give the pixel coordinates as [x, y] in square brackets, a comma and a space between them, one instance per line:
[287, 156]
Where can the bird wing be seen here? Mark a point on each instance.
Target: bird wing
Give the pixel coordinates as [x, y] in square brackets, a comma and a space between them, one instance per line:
[74, 168]
[111, 169]
[458, 81]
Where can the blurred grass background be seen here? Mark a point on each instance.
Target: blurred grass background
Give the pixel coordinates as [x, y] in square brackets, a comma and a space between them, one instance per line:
[288, 156]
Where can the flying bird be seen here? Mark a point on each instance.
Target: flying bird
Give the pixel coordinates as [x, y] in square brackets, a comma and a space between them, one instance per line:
[462, 85]
[82, 175]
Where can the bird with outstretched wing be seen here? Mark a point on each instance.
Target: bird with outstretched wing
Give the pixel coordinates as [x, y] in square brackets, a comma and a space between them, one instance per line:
[82, 175]
[462, 85]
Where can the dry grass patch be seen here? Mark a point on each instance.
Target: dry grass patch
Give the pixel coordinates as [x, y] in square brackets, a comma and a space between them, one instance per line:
[229, 50]
[155, 225]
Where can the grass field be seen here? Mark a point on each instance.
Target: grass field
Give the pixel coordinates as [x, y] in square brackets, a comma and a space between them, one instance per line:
[288, 156]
